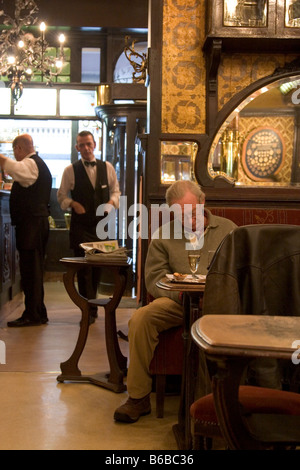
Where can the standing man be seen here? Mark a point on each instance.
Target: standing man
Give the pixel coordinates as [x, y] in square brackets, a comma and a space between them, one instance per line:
[29, 209]
[85, 185]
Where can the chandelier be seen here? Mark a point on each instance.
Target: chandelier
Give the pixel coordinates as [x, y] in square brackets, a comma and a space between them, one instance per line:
[23, 54]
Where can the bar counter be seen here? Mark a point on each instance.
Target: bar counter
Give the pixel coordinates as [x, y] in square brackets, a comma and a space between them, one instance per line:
[9, 272]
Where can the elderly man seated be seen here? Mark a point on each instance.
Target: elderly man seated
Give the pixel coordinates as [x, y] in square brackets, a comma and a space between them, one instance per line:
[198, 230]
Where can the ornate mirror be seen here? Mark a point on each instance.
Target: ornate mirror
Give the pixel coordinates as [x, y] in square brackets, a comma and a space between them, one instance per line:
[258, 142]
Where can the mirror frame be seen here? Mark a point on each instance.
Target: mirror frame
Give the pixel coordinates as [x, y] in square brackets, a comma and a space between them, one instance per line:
[201, 164]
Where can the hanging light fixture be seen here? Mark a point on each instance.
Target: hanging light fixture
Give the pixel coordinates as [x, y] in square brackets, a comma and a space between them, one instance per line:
[22, 54]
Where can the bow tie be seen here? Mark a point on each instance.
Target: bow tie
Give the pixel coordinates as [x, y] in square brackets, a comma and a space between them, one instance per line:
[89, 163]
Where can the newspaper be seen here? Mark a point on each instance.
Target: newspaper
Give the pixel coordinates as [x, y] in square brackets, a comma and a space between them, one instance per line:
[104, 251]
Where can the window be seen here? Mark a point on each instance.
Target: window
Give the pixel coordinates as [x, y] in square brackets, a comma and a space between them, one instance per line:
[37, 102]
[64, 75]
[78, 102]
[5, 100]
[52, 140]
[124, 70]
[90, 65]
[65, 112]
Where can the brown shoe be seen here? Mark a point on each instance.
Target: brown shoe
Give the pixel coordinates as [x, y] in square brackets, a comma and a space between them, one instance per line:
[133, 409]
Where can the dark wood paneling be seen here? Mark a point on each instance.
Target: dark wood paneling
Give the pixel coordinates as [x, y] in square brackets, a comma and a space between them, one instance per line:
[93, 13]
[9, 271]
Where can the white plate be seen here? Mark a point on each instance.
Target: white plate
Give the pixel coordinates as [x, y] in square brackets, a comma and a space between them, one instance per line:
[188, 279]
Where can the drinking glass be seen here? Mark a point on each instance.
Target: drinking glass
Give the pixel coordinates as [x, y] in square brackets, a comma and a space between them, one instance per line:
[194, 260]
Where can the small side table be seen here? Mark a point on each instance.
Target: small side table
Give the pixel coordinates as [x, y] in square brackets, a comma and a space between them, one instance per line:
[113, 380]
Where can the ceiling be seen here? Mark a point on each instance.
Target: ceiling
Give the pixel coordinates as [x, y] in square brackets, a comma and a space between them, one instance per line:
[92, 13]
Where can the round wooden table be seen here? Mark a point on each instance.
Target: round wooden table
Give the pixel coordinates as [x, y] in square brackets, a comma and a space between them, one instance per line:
[192, 309]
[113, 380]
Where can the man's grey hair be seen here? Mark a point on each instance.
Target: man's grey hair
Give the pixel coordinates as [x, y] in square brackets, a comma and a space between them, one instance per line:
[178, 190]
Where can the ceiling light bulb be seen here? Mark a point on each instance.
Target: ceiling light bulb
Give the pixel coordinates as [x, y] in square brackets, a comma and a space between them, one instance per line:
[21, 44]
[11, 60]
[43, 26]
[61, 38]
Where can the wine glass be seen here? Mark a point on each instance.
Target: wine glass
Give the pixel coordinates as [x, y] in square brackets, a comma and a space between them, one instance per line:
[194, 260]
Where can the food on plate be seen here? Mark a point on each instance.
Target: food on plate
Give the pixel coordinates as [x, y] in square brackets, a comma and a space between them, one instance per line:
[179, 276]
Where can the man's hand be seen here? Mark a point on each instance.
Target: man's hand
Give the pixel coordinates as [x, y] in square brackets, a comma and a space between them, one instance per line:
[108, 207]
[78, 208]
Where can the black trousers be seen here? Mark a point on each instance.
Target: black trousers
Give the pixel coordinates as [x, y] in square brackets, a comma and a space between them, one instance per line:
[88, 280]
[31, 261]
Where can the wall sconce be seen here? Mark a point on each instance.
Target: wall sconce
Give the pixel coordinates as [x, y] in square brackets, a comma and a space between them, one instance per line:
[139, 64]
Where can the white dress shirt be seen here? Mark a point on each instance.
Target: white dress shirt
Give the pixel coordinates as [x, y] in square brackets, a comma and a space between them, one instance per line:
[68, 184]
[24, 172]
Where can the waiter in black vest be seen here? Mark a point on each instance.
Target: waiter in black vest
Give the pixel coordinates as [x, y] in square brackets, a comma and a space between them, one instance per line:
[29, 209]
[85, 185]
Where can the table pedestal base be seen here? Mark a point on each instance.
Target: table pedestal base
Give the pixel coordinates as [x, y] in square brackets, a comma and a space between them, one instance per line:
[100, 379]
[180, 437]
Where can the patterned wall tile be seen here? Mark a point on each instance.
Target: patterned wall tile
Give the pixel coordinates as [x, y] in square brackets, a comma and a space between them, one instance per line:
[237, 71]
[183, 86]
[183, 104]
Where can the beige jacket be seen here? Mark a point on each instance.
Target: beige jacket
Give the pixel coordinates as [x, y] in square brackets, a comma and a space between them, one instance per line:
[169, 255]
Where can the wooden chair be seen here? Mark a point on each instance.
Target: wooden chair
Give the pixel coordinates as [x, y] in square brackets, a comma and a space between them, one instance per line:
[253, 401]
[248, 417]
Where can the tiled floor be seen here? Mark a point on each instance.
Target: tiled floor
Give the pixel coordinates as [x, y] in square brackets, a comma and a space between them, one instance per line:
[38, 413]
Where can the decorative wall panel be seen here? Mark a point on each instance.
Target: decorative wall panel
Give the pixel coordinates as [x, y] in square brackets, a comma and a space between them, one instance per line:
[183, 64]
[237, 71]
[254, 215]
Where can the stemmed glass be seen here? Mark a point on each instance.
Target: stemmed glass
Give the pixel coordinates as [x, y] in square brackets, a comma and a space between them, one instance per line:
[194, 260]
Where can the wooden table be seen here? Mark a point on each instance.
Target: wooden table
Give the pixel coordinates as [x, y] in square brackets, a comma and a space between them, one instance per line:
[113, 380]
[230, 342]
[192, 300]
